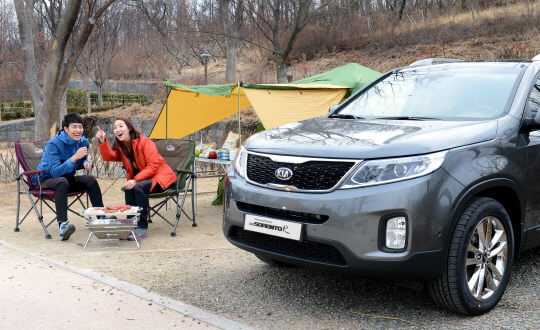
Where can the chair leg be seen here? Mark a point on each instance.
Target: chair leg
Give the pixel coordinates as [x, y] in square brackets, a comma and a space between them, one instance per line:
[193, 210]
[191, 182]
[149, 215]
[18, 203]
[180, 209]
[178, 214]
[39, 214]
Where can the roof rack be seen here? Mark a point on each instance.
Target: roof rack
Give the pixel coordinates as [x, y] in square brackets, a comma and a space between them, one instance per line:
[430, 61]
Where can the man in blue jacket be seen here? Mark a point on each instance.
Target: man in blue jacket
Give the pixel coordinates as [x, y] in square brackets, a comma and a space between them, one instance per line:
[63, 155]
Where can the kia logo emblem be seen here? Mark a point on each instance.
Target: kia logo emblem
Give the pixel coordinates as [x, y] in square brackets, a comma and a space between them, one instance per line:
[284, 173]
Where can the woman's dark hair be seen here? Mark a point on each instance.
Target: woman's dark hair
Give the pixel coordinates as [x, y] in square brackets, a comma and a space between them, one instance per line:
[133, 134]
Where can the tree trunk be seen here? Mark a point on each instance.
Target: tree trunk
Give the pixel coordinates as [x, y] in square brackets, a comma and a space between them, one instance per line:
[401, 9]
[88, 101]
[472, 12]
[62, 112]
[281, 70]
[100, 94]
[231, 36]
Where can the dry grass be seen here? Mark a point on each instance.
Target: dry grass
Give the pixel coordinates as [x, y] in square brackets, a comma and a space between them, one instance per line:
[8, 165]
[133, 111]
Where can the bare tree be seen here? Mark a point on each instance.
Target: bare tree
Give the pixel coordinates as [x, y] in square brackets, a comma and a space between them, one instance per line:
[172, 21]
[397, 14]
[107, 42]
[231, 36]
[84, 66]
[295, 14]
[62, 19]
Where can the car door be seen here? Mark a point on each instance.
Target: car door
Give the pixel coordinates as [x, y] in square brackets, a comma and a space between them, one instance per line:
[533, 164]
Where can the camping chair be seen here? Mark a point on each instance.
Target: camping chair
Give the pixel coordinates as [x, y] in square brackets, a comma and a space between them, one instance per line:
[28, 157]
[179, 155]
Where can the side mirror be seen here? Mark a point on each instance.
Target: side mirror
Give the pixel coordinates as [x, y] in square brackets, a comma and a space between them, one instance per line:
[333, 108]
[537, 117]
[531, 124]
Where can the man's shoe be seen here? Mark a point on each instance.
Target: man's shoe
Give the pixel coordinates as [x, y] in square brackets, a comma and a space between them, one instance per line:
[141, 232]
[66, 230]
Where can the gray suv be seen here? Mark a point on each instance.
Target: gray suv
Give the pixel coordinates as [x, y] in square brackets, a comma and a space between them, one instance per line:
[430, 173]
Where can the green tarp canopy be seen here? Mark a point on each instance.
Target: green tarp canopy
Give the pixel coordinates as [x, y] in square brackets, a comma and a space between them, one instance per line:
[352, 75]
[191, 108]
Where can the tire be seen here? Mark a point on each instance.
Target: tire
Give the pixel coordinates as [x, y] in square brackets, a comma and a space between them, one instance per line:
[488, 270]
[273, 263]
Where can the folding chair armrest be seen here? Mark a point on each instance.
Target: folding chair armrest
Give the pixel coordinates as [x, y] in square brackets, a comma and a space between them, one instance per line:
[33, 172]
[29, 173]
[183, 171]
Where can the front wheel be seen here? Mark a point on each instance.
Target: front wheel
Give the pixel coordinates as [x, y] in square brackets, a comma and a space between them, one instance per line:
[479, 260]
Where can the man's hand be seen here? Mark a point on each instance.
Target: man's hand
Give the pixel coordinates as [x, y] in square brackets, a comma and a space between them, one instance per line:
[88, 167]
[79, 154]
[130, 184]
[100, 135]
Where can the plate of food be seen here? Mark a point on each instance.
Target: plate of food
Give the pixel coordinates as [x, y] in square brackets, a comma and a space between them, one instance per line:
[113, 210]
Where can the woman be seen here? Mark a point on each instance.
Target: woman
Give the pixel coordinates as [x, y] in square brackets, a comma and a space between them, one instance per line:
[147, 172]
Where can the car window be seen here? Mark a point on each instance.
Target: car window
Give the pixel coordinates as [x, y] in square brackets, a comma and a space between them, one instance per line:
[534, 98]
[438, 92]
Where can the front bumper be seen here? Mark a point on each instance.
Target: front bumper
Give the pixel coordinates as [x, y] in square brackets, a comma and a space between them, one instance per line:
[350, 241]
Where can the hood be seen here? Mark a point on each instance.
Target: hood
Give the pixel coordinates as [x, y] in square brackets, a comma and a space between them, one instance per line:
[367, 139]
[62, 135]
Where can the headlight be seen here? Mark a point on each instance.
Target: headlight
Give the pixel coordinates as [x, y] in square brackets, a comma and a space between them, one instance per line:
[391, 170]
[240, 162]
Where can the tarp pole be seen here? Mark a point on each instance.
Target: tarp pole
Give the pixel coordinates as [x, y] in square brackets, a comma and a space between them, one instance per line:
[166, 112]
[239, 124]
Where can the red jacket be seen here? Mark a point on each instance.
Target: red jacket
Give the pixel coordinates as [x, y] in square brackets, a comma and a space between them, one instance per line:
[149, 161]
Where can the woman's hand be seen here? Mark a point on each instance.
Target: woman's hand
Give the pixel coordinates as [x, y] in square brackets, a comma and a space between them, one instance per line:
[130, 184]
[100, 135]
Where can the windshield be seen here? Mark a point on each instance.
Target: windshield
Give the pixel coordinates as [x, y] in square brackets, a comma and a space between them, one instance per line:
[443, 93]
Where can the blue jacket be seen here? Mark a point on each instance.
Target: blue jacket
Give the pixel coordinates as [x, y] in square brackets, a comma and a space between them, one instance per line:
[56, 159]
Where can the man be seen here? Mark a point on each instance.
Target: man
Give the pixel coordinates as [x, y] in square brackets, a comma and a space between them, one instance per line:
[63, 155]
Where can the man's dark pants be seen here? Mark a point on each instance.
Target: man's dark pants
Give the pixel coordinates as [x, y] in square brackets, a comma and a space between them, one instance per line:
[62, 186]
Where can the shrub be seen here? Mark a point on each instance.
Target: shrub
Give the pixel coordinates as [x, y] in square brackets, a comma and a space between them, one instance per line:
[76, 97]
[81, 110]
[18, 114]
[117, 98]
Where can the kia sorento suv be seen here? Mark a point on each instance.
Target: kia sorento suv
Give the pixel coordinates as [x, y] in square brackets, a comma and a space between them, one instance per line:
[430, 173]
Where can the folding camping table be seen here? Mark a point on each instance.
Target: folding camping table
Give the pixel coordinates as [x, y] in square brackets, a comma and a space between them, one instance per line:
[222, 165]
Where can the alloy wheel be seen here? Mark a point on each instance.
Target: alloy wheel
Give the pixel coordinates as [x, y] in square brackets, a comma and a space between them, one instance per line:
[487, 256]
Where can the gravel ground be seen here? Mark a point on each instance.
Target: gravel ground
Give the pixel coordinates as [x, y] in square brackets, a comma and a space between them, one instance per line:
[201, 268]
[293, 298]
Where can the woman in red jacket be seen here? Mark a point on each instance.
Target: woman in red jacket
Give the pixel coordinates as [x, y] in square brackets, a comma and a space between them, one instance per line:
[146, 170]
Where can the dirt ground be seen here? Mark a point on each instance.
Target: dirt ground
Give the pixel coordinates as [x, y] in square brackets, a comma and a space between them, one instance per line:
[153, 263]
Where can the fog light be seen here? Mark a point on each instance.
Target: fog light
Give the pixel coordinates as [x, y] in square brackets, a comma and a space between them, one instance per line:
[396, 231]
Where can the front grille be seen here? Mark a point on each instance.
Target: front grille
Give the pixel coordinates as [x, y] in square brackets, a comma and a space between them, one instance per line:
[311, 175]
[282, 214]
[312, 251]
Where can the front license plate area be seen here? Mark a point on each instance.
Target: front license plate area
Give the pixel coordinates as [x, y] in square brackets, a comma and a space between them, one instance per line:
[274, 227]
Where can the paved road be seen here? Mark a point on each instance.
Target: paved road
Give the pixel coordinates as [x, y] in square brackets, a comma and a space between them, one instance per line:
[38, 294]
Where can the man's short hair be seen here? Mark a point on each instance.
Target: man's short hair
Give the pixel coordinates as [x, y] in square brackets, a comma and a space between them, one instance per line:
[72, 118]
